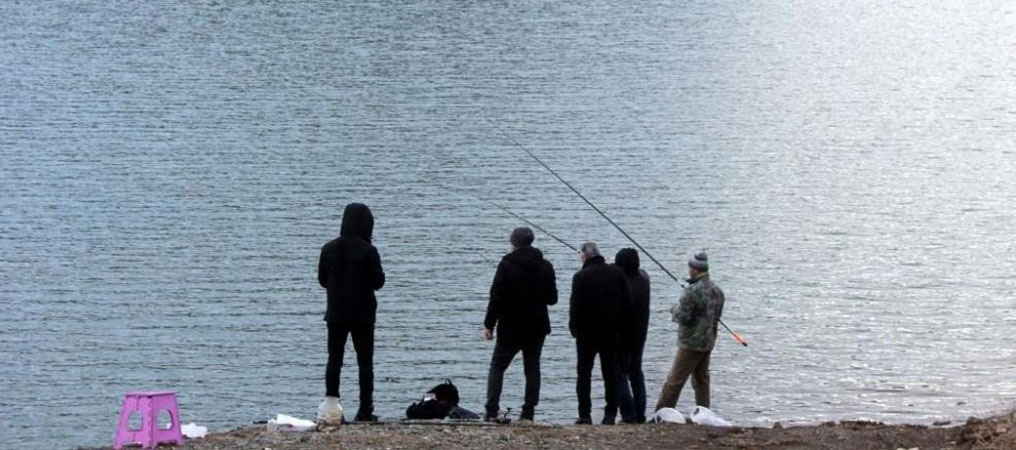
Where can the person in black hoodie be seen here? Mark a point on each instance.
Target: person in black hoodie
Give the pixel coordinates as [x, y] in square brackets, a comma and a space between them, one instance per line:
[350, 269]
[523, 287]
[599, 296]
[634, 327]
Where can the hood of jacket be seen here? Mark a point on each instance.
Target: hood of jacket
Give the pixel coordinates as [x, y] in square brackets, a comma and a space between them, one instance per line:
[628, 260]
[357, 221]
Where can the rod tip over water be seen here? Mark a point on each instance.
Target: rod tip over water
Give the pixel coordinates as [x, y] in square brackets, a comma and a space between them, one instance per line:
[740, 339]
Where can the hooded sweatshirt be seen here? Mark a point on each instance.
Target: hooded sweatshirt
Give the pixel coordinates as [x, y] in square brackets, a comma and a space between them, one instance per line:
[635, 322]
[523, 287]
[350, 269]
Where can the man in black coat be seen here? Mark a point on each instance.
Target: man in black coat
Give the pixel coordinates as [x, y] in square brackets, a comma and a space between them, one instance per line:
[350, 269]
[523, 287]
[634, 327]
[599, 297]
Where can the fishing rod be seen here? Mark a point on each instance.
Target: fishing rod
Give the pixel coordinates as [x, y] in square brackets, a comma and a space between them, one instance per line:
[486, 258]
[737, 337]
[576, 250]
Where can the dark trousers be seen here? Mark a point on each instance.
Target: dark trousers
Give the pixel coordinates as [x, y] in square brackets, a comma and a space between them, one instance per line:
[504, 352]
[363, 343]
[687, 363]
[631, 386]
[587, 351]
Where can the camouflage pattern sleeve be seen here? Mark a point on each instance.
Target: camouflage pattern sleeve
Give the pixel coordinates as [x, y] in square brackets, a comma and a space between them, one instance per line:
[684, 313]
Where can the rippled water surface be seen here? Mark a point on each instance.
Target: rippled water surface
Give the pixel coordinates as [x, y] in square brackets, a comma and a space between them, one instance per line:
[170, 170]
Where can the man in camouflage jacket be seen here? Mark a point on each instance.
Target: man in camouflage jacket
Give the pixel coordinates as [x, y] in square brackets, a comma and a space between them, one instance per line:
[698, 316]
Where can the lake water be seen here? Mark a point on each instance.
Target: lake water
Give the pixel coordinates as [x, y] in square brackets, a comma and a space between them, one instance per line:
[170, 170]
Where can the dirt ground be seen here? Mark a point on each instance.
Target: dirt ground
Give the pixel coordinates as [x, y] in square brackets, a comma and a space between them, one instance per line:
[995, 433]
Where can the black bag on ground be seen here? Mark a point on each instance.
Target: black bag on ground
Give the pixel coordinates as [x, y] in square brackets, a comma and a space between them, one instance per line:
[446, 393]
[459, 413]
[428, 409]
[440, 402]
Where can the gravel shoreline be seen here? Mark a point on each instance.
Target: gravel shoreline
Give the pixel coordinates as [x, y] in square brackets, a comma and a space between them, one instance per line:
[995, 433]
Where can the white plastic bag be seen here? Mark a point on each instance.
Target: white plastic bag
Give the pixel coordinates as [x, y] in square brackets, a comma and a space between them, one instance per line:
[193, 431]
[668, 415]
[282, 422]
[703, 416]
[329, 414]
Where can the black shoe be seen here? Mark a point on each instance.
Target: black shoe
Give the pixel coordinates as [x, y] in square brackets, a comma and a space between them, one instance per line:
[584, 421]
[608, 420]
[364, 416]
[640, 420]
[526, 416]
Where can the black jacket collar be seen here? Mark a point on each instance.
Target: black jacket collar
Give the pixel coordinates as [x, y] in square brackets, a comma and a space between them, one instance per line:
[593, 261]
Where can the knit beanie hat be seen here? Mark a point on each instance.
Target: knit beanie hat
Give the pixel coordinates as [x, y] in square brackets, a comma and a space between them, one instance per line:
[700, 261]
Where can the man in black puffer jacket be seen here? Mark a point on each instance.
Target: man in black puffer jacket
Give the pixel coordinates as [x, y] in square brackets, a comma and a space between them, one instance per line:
[634, 327]
[598, 299]
[523, 287]
[350, 269]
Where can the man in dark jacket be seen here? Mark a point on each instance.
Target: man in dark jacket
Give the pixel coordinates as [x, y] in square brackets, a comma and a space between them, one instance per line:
[633, 328]
[697, 315]
[599, 296]
[350, 269]
[523, 287]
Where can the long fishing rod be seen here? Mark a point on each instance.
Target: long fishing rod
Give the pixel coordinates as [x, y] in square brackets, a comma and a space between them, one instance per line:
[486, 258]
[737, 337]
[566, 244]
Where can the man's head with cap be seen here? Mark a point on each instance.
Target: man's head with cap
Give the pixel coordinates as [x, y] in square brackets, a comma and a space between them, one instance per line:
[522, 237]
[588, 251]
[698, 264]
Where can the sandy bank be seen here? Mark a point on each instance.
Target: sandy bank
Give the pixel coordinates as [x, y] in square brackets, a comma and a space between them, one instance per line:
[995, 433]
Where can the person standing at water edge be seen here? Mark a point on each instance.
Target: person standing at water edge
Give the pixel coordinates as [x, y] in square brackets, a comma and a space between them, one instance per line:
[697, 315]
[631, 388]
[599, 296]
[350, 269]
[523, 287]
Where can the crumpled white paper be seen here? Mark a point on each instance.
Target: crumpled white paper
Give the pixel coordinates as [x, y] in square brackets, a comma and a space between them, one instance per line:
[193, 430]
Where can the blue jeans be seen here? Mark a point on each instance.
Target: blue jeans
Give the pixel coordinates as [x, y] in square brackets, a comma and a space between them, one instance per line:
[631, 401]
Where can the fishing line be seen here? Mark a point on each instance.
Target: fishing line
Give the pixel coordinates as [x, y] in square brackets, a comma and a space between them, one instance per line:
[737, 337]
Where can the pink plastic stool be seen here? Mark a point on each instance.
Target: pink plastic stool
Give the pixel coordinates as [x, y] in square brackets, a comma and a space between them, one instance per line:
[149, 404]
